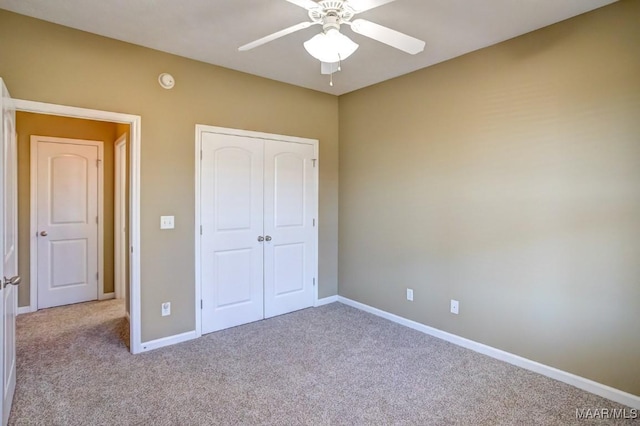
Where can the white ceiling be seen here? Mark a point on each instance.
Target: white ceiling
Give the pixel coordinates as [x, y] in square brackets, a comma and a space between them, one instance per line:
[212, 30]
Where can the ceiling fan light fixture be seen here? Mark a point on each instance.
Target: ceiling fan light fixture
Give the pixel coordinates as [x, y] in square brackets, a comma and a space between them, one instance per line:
[331, 46]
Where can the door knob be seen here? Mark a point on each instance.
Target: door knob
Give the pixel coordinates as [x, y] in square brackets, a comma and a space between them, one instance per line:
[260, 239]
[44, 233]
[268, 238]
[12, 281]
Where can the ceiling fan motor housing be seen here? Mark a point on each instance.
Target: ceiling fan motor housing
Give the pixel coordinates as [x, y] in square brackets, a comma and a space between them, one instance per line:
[331, 13]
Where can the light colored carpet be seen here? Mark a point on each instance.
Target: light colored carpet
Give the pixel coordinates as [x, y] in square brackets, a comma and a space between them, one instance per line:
[328, 365]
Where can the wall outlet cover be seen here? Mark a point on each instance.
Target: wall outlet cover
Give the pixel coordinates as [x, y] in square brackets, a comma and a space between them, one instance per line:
[455, 305]
[410, 294]
[166, 309]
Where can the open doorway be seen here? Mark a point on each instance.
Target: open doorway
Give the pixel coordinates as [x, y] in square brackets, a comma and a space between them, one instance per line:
[118, 137]
[66, 179]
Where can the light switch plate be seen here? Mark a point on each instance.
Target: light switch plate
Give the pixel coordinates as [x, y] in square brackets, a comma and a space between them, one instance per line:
[167, 222]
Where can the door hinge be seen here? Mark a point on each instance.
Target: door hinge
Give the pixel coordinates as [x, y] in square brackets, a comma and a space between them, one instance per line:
[314, 221]
[201, 305]
[201, 154]
[200, 229]
[313, 160]
[98, 162]
[97, 220]
[97, 276]
[314, 281]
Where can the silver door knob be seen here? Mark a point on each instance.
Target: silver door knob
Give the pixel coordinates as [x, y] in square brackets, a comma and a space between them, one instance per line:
[268, 238]
[260, 239]
[12, 281]
[44, 233]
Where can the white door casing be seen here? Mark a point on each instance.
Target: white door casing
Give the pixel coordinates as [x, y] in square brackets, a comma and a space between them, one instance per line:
[120, 217]
[135, 141]
[271, 200]
[231, 224]
[68, 207]
[9, 264]
[289, 207]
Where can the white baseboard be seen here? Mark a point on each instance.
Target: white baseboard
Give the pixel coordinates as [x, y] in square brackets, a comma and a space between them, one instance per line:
[326, 300]
[588, 385]
[167, 341]
[107, 296]
[27, 309]
[24, 310]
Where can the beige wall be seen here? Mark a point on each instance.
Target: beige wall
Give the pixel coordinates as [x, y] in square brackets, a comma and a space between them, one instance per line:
[508, 179]
[47, 125]
[49, 63]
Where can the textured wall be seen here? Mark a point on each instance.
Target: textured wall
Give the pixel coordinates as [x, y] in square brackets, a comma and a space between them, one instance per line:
[508, 179]
[63, 127]
[49, 63]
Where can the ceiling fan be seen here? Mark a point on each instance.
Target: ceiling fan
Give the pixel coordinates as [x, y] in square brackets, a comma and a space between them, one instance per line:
[331, 47]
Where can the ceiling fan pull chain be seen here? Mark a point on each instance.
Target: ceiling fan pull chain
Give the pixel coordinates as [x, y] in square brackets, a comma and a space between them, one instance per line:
[339, 63]
[331, 79]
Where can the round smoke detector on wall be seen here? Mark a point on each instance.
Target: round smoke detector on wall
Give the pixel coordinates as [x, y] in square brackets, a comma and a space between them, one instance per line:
[166, 80]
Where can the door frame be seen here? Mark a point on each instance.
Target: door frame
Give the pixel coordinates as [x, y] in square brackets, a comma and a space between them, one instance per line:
[33, 207]
[119, 239]
[200, 129]
[135, 132]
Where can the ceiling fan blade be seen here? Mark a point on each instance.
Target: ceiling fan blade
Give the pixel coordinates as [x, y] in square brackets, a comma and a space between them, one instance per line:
[360, 6]
[388, 36]
[307, 4]
[275, 36]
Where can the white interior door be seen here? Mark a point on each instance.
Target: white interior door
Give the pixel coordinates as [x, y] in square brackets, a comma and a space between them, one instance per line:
[67, 221]
[231, 217]
[9, 265]
[289, 205]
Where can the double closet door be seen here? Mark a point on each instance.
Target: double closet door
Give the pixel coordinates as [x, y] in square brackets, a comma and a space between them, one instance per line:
[258, 198]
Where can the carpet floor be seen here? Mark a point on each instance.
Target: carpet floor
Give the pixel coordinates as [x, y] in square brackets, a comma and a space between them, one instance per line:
[331, 365]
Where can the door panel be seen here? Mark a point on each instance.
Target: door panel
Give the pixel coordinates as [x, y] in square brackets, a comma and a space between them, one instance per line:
[289, 203]
[288, 268]
[67, 212]
[231, 268]
[9, 264]
[64, 273]
[289, 207]
[234, 193]
[231, 216]
[69, 192]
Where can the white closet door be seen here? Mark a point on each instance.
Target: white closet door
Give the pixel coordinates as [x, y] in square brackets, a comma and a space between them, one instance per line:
[289, 201]
[231, 216]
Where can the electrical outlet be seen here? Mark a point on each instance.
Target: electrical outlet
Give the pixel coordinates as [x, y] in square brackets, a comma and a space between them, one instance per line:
[454, 306]
[166, 309]
[410, 294]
